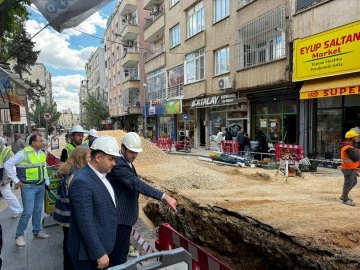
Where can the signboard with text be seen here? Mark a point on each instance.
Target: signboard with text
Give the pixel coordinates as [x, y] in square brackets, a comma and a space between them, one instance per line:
[220, 100]
[328, 54]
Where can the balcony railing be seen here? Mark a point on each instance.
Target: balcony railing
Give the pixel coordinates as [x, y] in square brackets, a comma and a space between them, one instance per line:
[152, 54]
[159, 94]
[131, 74]
[175, 91]
[149, 22]
[129, 50]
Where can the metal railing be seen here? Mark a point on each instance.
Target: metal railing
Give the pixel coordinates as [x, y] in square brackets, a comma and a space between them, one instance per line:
[152, 54]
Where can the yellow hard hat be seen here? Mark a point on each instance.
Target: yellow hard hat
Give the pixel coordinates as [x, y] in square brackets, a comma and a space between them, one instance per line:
[351, 134]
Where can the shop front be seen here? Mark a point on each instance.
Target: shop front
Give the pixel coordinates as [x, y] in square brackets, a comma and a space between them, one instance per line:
[152, 113]
[330, 94]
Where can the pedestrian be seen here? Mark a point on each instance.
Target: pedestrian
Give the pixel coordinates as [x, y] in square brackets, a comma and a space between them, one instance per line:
[218, 139]
[228, 134]
[77, 135]
[31, 176]
[247, 142]
[94, 220]
[12, 201]
[357, 130]
[17, 144]
[34, 131]
[349, 163]
[62, 213]
[127, 186]
[93, 134]
[5, 138]
[240, 139]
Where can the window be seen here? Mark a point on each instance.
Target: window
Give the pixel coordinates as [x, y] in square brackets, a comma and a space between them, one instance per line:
[221, 9]
[175, 35]
[156, 84]
[195, 19]
[176, 81]
[173, 2]
[194, 66]
[222, 60]
[243, 3]
[301, 4]
[262, 40]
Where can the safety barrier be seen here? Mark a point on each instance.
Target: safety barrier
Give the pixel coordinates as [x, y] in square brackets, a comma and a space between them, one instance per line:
[296, 151]
[230, 147]
[52, 160]
[201, 260]
[164, 144]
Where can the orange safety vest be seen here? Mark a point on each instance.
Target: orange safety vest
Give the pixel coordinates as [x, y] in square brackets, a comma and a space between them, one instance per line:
[346, 162]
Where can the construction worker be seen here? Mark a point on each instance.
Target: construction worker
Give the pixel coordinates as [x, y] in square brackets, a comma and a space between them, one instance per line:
[127, 186]
[31, 176]
[93, 134]
[349, 163]
[77, 135]
[12, 201]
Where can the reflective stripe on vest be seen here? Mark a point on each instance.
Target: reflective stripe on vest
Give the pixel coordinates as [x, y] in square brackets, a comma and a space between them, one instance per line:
[4, 152]
[69, 150]
[32, 169]
[346, 162]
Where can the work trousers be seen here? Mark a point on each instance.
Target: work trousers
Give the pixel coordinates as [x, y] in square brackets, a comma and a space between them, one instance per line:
[68, 264]
[122, 244]
[350, 181]
[11, 199]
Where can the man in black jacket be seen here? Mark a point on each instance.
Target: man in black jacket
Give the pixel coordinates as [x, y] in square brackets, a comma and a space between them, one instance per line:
[127, 186]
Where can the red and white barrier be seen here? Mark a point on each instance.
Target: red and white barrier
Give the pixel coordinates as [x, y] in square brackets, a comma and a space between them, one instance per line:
[164, 144]
[295, 150]
[201, 260]
[230, 147]
[141, 241]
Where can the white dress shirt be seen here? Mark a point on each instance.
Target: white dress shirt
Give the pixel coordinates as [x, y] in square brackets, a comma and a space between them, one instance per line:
[106, 182]
[16, 159]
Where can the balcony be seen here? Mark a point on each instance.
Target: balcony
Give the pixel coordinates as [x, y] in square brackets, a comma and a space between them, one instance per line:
[129, 31]
[148, 4]
[130, 59]
[134, 110]
[154, 28]
[155, 60]
[128, 6]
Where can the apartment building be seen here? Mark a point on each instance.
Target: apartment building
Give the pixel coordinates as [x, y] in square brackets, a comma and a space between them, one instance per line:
[326, 38]
[94, 84]
[227, 64]
[124, 65]
[67, 119]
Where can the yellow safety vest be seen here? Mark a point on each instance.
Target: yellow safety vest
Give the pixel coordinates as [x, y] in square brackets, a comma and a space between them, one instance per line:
[32, 169]
[3, 154]
[69, 149]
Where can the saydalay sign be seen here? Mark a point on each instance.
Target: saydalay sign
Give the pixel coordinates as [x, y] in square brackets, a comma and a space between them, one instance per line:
[214, 101]
[333, 92]
[330, 53]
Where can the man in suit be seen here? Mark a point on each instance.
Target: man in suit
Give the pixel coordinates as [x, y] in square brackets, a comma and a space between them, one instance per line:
[127, 186]
[94, 218]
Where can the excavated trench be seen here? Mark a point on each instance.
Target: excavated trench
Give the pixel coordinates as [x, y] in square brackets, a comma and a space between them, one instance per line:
[241, 241]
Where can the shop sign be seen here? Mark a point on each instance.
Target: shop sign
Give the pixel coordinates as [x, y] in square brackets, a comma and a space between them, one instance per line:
[327, 54]
[173, 106]
[155, 102]
[333, 92]
[152, 110]
[215, 101]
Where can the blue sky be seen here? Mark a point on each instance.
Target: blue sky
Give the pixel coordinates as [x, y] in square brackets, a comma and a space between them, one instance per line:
[65, 54]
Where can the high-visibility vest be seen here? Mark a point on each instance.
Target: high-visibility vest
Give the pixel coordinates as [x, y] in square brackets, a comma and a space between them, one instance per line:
[4, 152]
[32, 169]
[85, 144]
[346, 162]
[69, 149]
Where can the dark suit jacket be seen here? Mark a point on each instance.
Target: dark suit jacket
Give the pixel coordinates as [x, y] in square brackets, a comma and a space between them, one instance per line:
[127, 186]
[93, 217]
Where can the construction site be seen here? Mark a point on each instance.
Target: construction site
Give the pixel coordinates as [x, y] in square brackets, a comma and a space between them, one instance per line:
[250, 218]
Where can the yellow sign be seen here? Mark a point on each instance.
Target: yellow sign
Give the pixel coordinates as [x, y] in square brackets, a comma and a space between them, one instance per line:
[330, 53]
[332, 92]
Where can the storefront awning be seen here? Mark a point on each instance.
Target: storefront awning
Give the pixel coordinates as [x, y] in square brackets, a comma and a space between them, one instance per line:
[343, 85]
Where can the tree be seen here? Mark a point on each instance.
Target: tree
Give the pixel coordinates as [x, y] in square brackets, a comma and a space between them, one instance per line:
[95, 110]
[37, 115]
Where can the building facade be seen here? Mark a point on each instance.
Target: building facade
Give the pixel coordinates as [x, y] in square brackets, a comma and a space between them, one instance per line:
[68, 119]
[124, 67]
[326, 72]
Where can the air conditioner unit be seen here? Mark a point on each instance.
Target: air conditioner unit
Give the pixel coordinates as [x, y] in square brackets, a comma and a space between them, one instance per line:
[130, 43]
[224, 83]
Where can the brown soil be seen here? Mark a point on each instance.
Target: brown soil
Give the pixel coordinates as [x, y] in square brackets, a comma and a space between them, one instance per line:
[243, 216]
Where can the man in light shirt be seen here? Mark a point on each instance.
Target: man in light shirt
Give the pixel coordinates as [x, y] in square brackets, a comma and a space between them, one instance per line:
[31, 176]
[93, 224]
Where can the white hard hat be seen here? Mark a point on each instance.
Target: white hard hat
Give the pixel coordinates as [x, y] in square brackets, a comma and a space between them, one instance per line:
[77, 129]
[93, 132]
[106, 144]
[132, 141]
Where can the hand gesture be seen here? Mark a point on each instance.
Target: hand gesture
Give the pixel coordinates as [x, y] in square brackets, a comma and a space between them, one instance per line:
[171, 202]
[103, 262]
